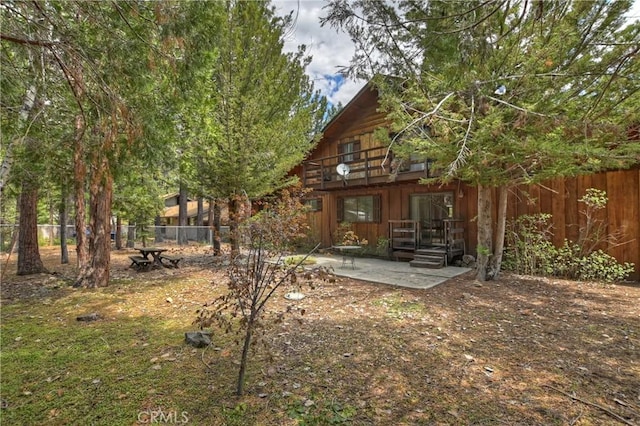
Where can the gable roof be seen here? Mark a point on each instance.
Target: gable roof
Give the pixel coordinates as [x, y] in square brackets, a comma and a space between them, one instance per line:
[175, 195]
[366, 96]
[192, 210]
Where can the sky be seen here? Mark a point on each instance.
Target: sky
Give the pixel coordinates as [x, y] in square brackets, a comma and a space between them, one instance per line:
[331, 50]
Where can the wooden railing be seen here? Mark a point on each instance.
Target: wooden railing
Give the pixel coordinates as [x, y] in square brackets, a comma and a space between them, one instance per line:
[366, 167]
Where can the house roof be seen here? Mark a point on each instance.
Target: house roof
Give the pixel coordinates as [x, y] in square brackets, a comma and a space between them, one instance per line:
[192, 210]
[365, 97]
[175, 194]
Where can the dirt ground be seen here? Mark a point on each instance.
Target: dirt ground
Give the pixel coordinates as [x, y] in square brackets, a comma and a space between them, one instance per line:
[519, 350]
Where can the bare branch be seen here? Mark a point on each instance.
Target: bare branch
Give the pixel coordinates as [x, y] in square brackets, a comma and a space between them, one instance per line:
[625, 59]
[18, 40]
[517, 107]
[461, 159]
[415, 121]
[592, 404]
[475, 23]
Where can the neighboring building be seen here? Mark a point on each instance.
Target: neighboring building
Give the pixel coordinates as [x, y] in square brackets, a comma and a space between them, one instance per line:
[170, 213]
[382, 197]
[169, 226]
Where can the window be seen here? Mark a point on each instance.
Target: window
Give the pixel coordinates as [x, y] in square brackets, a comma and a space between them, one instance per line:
[359, 209]
[414, 164]
[349, 151]
[314, 204]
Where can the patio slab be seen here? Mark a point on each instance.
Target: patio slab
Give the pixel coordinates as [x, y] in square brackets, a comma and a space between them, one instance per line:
[389, 272]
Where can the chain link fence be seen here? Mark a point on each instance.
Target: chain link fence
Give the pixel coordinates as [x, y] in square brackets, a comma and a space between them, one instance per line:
[132, 235]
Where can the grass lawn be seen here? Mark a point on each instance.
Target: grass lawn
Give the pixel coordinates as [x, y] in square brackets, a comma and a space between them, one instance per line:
[518, 351]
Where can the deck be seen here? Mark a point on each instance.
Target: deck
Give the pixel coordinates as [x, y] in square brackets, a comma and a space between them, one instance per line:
[366, 167]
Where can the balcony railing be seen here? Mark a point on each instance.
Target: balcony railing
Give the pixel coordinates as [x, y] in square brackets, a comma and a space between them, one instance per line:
[365, 168]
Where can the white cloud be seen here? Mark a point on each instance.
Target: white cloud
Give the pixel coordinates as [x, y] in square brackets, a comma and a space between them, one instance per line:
[634, 13]
[329, 49]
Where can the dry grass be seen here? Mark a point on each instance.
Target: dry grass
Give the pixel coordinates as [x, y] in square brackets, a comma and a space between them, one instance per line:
[519, 351]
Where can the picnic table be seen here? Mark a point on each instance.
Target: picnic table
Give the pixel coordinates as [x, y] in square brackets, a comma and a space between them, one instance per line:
[155, 253]
[347, 253]
[153, 257]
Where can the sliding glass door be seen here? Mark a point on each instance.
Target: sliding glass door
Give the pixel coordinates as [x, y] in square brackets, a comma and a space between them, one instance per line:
[429, 210]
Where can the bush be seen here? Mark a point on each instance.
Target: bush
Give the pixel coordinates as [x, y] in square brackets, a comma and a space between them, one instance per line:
[599, 266]
[345, 236]
[282, 222]
[528, 245]
[529, 250]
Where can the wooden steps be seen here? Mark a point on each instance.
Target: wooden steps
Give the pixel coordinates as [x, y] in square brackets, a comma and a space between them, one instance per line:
[439, 247]
[433, 258]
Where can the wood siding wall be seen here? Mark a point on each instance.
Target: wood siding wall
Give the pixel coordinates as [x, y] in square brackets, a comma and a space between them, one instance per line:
[361, 128]
[394, 206]
[559, 198]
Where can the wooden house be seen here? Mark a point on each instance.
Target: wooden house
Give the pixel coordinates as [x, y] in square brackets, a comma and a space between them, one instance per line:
[170, 213]
[354, 179]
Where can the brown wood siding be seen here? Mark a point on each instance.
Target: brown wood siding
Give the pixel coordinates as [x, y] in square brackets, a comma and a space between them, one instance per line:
[558, 210]
[561, 198]
[394, 202]
[558, 198]
[361, 129]
[623, 190]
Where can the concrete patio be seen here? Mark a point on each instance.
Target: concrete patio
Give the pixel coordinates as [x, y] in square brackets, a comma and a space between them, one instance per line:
[388, 272]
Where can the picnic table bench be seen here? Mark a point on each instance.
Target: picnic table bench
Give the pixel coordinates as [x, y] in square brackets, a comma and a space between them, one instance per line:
[139, 262]
[173, 260]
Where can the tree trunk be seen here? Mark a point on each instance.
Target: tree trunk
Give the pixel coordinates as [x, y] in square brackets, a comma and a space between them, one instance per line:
[7, 162]
[245, 355]
[131, 234]
[118, 233]
[485, 233]
[217, 212]
[182, 215]
[100, 191]
[79, 178]
[27, 107]
[503, 193]
[100, 241]
[234, 219]
[52, 236]
[158, 230]
[64, 214]
[29, 261]
[202, 233]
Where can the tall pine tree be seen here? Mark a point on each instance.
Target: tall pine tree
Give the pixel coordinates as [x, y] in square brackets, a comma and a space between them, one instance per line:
[252, 117]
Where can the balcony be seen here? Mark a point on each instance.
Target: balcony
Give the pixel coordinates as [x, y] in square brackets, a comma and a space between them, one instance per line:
[366, 168]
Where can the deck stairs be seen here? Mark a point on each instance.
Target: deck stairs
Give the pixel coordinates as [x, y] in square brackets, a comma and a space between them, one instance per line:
[433, 258]
[426, 248]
